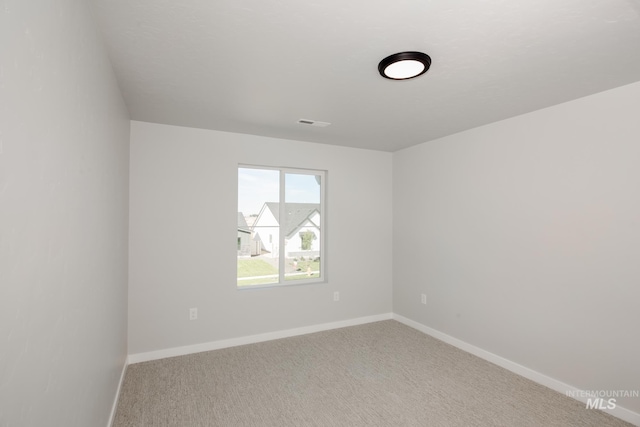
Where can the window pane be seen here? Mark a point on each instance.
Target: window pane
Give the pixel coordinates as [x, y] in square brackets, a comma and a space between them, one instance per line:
[258, 226]
[301, 226]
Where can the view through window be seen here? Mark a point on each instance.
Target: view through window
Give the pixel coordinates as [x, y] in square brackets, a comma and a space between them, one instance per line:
[280, 229]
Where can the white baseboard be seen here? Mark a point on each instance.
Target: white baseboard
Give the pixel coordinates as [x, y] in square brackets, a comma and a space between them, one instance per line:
[233, 342]
[114, 407]
[618, 412]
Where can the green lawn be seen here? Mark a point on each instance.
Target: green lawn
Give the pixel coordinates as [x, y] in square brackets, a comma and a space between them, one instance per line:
[303, 276]
[315, 265]
[250, 268]
[302, 266]
[255, 267]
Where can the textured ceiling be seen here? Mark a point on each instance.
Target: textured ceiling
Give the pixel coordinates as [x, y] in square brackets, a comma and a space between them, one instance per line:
[257, 66]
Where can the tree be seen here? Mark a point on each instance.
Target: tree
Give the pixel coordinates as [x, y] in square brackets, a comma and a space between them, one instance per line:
[307, 239]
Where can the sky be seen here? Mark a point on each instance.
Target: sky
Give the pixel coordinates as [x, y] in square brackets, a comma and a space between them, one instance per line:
[257, 186]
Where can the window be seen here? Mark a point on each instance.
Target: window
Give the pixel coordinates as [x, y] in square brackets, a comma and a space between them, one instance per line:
[280, 226]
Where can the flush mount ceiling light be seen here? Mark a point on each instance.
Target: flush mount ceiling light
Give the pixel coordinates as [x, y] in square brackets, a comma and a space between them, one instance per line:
[404, 65]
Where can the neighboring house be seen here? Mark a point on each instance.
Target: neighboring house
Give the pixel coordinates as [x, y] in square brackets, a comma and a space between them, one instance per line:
[301, 229]
[244, 237]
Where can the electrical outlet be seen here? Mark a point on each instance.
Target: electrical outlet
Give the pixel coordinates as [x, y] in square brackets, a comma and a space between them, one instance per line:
[193, 314]
[424, 299]
[336, 296]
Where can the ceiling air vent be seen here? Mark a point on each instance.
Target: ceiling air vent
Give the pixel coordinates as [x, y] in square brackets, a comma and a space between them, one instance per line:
[313, 123]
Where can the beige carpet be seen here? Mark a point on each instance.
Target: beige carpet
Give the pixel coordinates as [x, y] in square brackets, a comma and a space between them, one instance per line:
[378, 374]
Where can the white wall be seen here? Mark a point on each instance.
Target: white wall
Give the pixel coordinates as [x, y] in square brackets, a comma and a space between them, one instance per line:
[64, 134]
[525, 236]
[183, 232]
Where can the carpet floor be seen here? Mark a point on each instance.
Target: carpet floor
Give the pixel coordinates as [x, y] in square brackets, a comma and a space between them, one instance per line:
[378, 374]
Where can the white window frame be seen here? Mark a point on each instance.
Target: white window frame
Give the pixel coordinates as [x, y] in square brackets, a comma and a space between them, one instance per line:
[281, 239]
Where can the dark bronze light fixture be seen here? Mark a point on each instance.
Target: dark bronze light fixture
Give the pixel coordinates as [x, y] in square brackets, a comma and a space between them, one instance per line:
[404, 65]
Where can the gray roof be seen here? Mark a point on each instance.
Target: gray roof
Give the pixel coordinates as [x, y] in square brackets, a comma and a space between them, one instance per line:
[297, 214]
[242, 224]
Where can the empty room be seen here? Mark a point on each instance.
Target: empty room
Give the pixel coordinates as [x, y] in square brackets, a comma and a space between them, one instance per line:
[295, 213]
